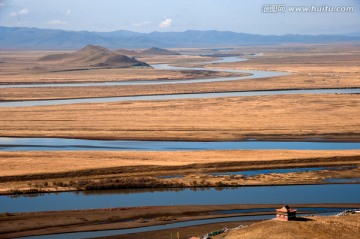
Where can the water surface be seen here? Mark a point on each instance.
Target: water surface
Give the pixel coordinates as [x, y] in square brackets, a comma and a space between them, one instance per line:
[282, 170]
[24, 144]
[294, 194]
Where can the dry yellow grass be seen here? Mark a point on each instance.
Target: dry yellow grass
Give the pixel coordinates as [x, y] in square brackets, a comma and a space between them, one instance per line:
[17, 75]
[282, 117]
[37, 162]
[347, 227]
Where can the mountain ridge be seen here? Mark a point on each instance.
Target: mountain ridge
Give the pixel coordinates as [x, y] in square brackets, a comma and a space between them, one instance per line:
[35, 38]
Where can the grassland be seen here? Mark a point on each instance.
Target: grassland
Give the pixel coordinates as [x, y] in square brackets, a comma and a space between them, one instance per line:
[287, 117]
[346, 227]
[23, 172]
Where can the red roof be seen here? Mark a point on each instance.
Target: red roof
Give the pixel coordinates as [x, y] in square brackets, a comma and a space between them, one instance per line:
[286, 208]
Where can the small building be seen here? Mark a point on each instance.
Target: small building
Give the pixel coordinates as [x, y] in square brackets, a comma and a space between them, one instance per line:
[286, 213]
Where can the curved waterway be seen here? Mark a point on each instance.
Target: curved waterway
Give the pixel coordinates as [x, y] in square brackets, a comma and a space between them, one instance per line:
[251, 74]
[25, 144]
[254, 74]
[174, 97]
[294, 194]
[95, 234]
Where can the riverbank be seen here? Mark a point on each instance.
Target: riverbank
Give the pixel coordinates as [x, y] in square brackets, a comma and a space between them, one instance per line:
[39, 223]
[54, 171]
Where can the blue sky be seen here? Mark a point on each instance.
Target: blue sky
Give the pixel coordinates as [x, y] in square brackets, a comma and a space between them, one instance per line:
[179, 15]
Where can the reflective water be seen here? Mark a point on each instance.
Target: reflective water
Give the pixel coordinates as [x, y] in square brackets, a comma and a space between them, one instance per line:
[252, 74]
[343, 180]
[282, 170]
[294, 194]
[300, 210]
[81, 235]
[23, 144]
[174, 97]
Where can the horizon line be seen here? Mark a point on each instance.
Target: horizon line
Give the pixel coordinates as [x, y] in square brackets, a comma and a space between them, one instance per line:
[287, 34]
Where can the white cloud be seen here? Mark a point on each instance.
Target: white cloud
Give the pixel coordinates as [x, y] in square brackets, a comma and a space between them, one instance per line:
[166, 23]
[140, 24]
[68, 12]
[56, 22]
[2, 4]
[23, 11]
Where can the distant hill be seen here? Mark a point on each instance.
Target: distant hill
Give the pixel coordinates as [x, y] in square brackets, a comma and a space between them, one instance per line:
[159, 51]
[126, 52]
[94, 56]
[34, 38]
[354, 34]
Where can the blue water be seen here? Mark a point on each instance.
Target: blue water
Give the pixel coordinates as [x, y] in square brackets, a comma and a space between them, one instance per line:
[299, 210]
[281, 170]
[252, 74]
[342, 180]
[276, 170]
[81, 235]
[294, 194]
[174, 97]
[23, 144]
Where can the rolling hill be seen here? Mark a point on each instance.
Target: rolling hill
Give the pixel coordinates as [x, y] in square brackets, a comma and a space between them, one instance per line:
[159, 51]
[127, 52]
[93, 56]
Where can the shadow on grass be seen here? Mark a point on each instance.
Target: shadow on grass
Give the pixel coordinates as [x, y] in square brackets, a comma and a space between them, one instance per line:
[303, 219]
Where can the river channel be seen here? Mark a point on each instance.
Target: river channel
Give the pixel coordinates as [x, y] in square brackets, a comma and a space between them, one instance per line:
[253, 74]
[33, 144]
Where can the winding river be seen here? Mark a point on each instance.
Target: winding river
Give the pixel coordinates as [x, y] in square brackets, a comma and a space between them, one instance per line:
[251, 74]
[254, 74]
[34, 144]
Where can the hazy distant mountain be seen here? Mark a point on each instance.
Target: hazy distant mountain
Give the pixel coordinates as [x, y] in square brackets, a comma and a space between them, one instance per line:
[159, 51]
[354, 34]
[93, 56]
[126, 52]
[34, 38]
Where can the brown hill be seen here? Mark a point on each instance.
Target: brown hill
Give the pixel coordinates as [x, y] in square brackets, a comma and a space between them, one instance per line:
[159, 51]
[94, 56]
[346, 227]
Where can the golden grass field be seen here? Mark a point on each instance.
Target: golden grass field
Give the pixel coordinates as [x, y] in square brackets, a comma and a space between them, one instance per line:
[346, 227]
[264, 117]
[33, 162]
[43, 170]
